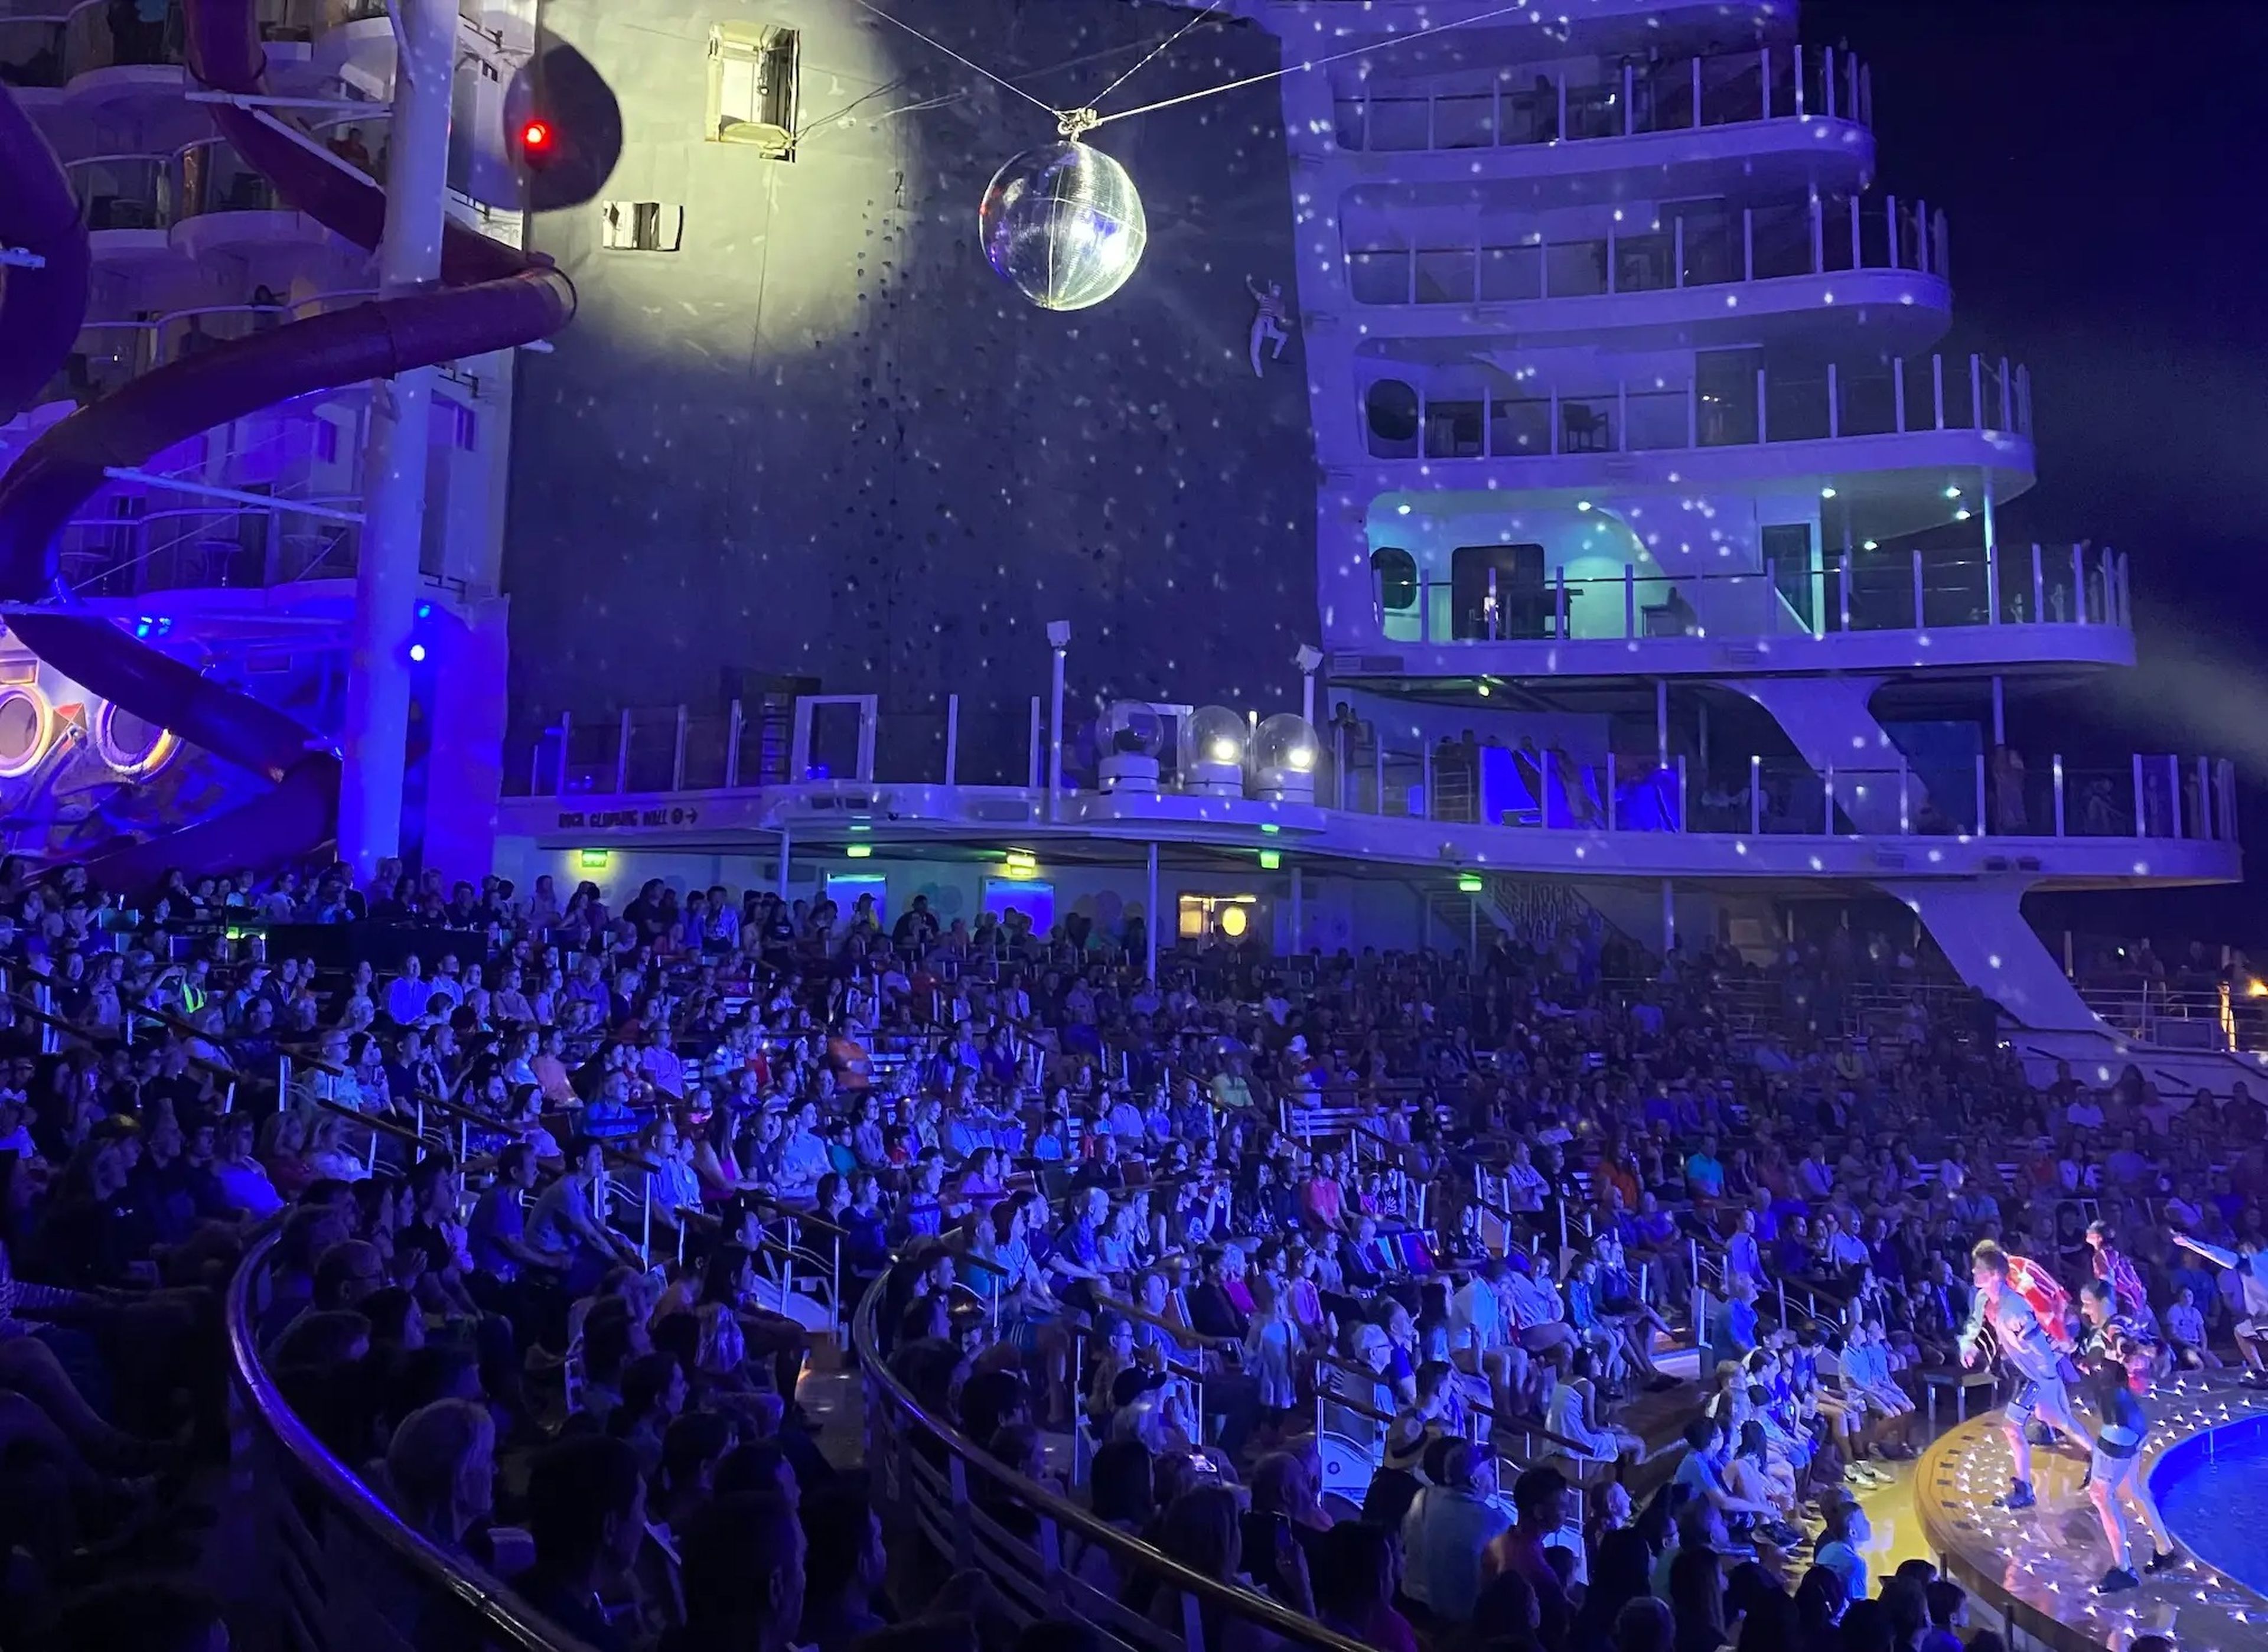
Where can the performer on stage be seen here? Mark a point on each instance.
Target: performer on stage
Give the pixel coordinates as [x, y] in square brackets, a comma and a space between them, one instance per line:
[2010, 1291]
[2116, 1473]
[2251, 1262]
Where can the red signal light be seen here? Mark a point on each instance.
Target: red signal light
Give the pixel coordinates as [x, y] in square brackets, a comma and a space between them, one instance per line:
[535, 139]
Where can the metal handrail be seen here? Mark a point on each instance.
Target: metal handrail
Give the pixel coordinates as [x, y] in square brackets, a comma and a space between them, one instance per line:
[449, 1580]
[886, 1393]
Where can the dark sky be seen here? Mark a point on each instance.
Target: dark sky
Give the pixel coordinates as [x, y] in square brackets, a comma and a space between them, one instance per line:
[2103, 168]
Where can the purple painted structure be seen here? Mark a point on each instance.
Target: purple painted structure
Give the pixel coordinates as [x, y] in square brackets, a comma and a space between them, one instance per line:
[40, 309]
[510, 302]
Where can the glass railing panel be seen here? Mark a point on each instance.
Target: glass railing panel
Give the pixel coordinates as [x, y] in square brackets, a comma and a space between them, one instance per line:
[1882, 591]
[122, 191]
[1713, 250]
[1729, 414]
[1379, 274]
[1530, 117]
[1780, 241]
[1586, 424]
[1732, 89]
[1657, 419]
[1796, 406]
[1955, 590]
[1445, 275]
[31, 46]
[1398, 124]
[1347, 122]
[1869, 398]
[1645, 263]
[1663, 94]
[214, 178]
[106, 356]
[1511, 273]
[1960, 404]
[365, 142]
[1575, 270]
[2098, 802]
[1519, 425]
[188, 333]
[1594, 111]
[1456, 428]
[106, 35]
[1464, 121]
[296, 21]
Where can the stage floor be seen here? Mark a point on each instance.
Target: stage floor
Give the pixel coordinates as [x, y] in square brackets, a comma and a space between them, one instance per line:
[2038, 1566]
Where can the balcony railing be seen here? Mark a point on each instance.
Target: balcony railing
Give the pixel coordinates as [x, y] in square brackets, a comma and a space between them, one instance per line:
[1728, 404]
[232, 547]
[2157, 796]
[363, 141]
[124, 192]
[107, 357]
[104, 34]
[1852, 591]
[32, 49]
[660, 751]
[1717, 248]
[1675, 95]
[212, 177]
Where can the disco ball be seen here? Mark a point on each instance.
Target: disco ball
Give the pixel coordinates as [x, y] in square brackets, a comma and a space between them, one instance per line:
[1063, 223]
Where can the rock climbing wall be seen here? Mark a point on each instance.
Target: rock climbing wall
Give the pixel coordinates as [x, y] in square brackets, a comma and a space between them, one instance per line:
[821, 439]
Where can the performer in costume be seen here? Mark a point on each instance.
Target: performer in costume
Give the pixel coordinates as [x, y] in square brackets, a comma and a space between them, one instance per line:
[2011, 1293]
[2251, 1262]
[2115, 1472]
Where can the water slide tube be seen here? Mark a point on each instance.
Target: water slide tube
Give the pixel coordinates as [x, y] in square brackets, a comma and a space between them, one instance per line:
[40, 308]
[492, 298]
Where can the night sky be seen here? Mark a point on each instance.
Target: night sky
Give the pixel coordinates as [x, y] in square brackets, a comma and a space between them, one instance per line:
[2102, 166]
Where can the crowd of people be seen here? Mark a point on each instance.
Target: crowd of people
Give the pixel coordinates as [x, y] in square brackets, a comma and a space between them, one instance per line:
[533, 1175]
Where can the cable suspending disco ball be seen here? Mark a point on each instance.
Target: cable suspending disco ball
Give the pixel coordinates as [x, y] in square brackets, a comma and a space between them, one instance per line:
[1063, 225]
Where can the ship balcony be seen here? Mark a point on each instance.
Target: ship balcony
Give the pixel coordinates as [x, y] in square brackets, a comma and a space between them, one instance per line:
[1692, 279]
[1863, 428]
[224, 204]
[1885, 610]
[1687, 125]
[98, 55]
[126, 201]
[807, 773]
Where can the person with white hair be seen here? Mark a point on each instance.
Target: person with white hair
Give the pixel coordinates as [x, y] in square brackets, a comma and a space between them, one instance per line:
[440, 1470]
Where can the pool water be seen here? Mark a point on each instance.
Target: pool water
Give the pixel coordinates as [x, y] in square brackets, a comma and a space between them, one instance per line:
[2213, 1487]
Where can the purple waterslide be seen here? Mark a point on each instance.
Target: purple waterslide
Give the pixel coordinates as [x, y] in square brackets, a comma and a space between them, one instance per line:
[40, 309]
[511, 302]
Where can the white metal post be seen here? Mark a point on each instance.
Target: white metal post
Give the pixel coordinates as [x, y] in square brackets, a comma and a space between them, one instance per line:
[786, 844]
[735, 724]
[952, 737]
[376, 735]
[1983, 824]
[2058, 767]
[2142, 819]
[623, 752]
[1999, 710]
[1755, 795]
[1150, 927]
[1054, 733]
[1298, 912]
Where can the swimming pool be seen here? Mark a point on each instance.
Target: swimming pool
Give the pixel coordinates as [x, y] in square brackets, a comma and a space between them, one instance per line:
[2213, 1487]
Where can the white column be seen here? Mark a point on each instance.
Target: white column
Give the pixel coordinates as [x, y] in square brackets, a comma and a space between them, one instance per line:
[1151, 922]
[951, 736]
[377, 725]
[1661, 721]
[1055, 719]
[786, 843]
[1668, 918]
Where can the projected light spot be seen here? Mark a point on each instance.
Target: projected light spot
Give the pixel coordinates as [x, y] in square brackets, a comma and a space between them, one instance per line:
[1063, 225]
